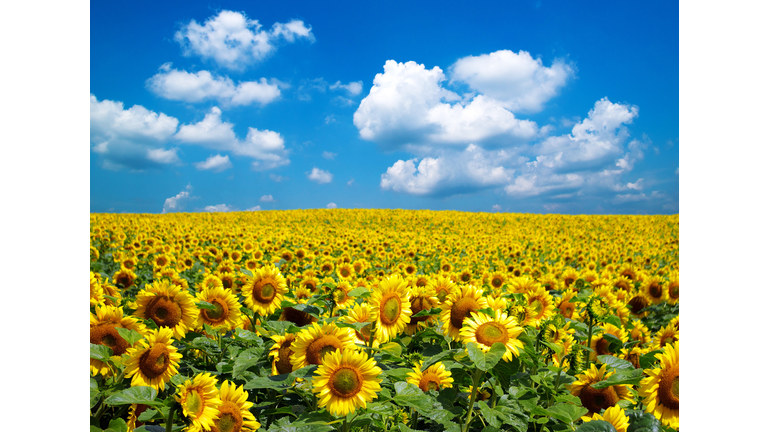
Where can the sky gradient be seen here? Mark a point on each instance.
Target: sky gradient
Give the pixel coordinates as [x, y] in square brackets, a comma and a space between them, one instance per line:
[538, 107]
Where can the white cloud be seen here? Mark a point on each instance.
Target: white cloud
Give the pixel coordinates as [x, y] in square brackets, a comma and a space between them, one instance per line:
[277, 178]
[219, 208]
[215, 163]
[451, 173]
[496, 208]
[638, 185]
[518, 81]
[349, 183]
[266, 198]
[408, 105]
[200, 86]
[331, 205]
[354, 88]
[130, 138]
[319, 176]
[179, 201]
[266, 147]
[257, 208]
[677, 171]
[233, 41]
[330, 119]
[328, 155]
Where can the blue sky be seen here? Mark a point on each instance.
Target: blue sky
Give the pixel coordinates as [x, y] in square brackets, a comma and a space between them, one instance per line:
[536, 107]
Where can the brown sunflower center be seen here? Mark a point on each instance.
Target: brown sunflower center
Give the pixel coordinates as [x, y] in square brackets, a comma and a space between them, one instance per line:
[320, 347]
[163, 311]
[569, 280]
[344, 272]
[496, 282]
[461, 309]
[296, 316]
[155, 361]
[390, 309]
[490, 333]
[340, 296]
[446, 267]
[441, 293]
[669, 388]
[226, 282]
[655, 290]
[465, 277]
[217, 315]
[567, 309]
[283, 364]
[419, 304]
[595, 400]
[125, 280]
[345, 382]
[601, 347]
[193, 403]
[674, 290]
[106, 334]
[637, 303]
[230, 418]
[364, 333]
[429, 381]
[264, 291]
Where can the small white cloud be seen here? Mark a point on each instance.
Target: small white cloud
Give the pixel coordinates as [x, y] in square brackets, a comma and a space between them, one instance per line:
[638, 185]
[496, 208]
[163, 156]
[233, 41]
[677, 171]
[330, 119]
[319, 176]
[177, 202]
[551, 207]
[277, 178]
[257, 208]
[349, 183]
[354, 88]
[219, 208]
[328, 155]
[215, 163]
[331, 205]
[201, 86]
[266, 198]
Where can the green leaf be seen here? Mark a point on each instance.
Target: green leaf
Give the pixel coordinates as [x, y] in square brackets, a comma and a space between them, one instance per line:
[134, 395]
[553, 346]
[425, 312]
[399, 374]
[205, 305]
[242, 364]
[94, 392]
[648, 359]
[485, 361]
[150, 414]
[404, 428]
[642, 422]
[621, 377]
[614, 344]
[504, 370]
[101, 352]
[615, 362]
[117, 425]
[359, 292]
[356, 326]
[411, 396]
[567, 413]
[130, 336]
[246, 272]
[488, 414]
[596, 426]
[487, 311]
[614, 320]
[392, 348]
[246, 335]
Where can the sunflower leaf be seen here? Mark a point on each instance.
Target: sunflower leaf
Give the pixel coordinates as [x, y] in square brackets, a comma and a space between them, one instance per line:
[409, 395]
[101, 352]
[615, 363]
[95, 394]
[359, 292]
[567, 413]
[648, 359]
[596, 426]
[356, 326]
[613, 319]
[621, 377]
[392, 348]
[485, 361]
[130, 336]
[205, 305]
[117, 425]
[134, 395]
[642, 422]
[488, 414]
[425, 312]
[246, 272]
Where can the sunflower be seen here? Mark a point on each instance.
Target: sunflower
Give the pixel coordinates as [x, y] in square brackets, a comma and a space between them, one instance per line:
[226, 316]
[281, 354]
[524, 284]
[153, 360]
[210, 281]
[593, 399]
[636, 303]
[661, 389]
[457, 308]
[391, 307]
[443, 287]
[672, 289]
[633, 354]
[435, 377]
[640, 332]
[600, 344]
[542, 304]
[341, 295]
[104, 327]
[422, 298]
[264, 291]
[666, 335]
[228, 281]
[168, 306]
[613, 415]
[653, 288]
[124, 277]
[345, 271]
[485, 331]
[315, 342]
[565, 306]
[234, 415]
[133, 416]
[361, 313]
[300, 318]
[497, 281]
[550, 282]
[97, 293]
[497, 303]
[199, 399]
[310, 283]
[346, 381]
[569, 276]
[251, 264]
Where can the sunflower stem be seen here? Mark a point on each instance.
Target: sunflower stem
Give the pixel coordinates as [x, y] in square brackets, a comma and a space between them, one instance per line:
[589, 342]
[475, 384]
[169, 420]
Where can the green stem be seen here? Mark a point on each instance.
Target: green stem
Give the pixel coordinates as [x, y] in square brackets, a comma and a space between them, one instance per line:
[169, 420]
[414, 418]
[475, 384]
[589, 342]
[102, 408]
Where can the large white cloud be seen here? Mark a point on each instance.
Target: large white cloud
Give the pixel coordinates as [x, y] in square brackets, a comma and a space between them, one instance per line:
[518, 82]
[408, 105]
[264, 146]
[184, 86]
[234, 41]
[130, 138]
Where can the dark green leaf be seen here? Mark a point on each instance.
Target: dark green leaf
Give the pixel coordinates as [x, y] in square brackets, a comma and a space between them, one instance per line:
[356, 326]
[642, 422]
[246, 335]
[488, 414]
[614, 320]
[411, 396]
[425, 312]
[150, 414]
[622, 377]
[95, 394]
[596, 426]
[615, 344]
[485, 361]
[648, 359]
[399, 374]
[615, 362]
[134, 395]
[504, 370]
[100, 352]
[567, 413]
[130, 336]
[117, 425]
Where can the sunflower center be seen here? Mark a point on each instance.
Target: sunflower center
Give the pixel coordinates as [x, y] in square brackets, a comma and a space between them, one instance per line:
[674, 290]
[490, 333]
[155, 361]
[595, 400]
[346, 382]
[264, 292]
[217, 315]
[465, 277]
[125, 280]
[461, 309]
[669, 388]
[365, 333]
[320, 347]
[194, 403]
[655, 290]
[106, 334]
[496, 282]
[340, 296]
[296, 316]
[441, 293]
[164, 311]
[567, 309]
[418, 304]
[230, 418]
[430, 381]
[226, 282]
[390, 309]
[537, 306]
[601, 347]
[637, 304]
[344, 272]
[283, 364]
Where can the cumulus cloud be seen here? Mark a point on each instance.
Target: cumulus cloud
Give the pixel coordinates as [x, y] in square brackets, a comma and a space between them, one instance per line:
[266, 198]
[130, 138]
[234, 41]
[328, 155]
[353, 88]
[179, 201]
[256, 208]
[277, 178]
[331, 206]
[264, 146]
[518, 82]
[408, 105]
[215, 163]
[496, 208]
[219, 208]
[319, 176]
[184, 86]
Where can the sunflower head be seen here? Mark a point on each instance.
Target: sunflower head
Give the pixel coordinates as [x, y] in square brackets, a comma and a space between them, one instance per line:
[594, 399]
[391, 307]
[265, 290]
[233, 414]
[168, 305]
[486, 331]
[154, 360]
[315, 342]
[435, 377]
[457, 308]
[661, 389]
[226, 312]
[613, 415]
[346, 380]
[199, 400]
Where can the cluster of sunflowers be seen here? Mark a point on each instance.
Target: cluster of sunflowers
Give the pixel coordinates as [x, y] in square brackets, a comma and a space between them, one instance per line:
[384, 319]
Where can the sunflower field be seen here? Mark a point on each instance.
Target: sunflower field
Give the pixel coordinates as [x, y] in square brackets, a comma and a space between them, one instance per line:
[384, 320]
